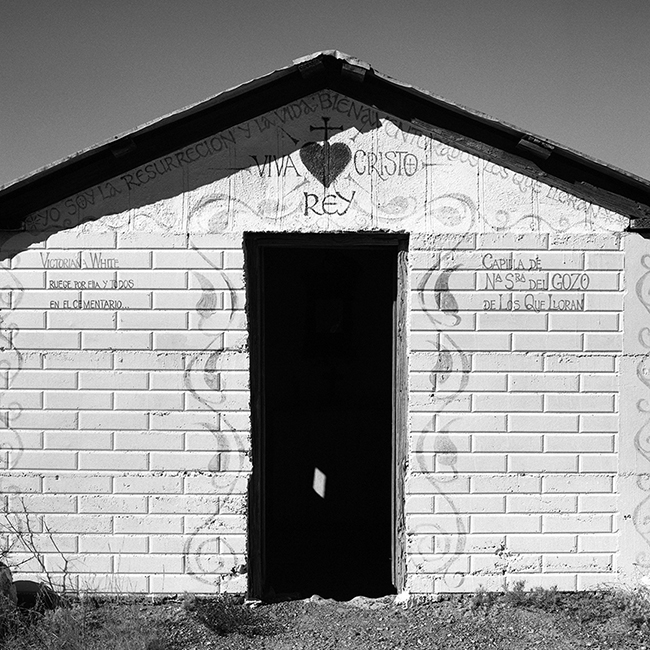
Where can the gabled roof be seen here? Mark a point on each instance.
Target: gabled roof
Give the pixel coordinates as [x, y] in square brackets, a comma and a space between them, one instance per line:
[478, 133]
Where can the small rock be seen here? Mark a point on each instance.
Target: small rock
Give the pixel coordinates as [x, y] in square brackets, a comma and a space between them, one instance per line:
[35, 595]
[7, 587]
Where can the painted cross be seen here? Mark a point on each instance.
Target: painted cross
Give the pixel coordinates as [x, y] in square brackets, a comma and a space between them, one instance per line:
[326, 128]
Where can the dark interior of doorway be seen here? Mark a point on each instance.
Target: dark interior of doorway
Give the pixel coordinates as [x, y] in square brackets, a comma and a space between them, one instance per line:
[327, 353]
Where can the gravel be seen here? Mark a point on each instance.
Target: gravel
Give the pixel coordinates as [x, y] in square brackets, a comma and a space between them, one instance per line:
[363, 623]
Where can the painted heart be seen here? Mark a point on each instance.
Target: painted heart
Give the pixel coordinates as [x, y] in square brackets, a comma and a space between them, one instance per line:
[325, 162]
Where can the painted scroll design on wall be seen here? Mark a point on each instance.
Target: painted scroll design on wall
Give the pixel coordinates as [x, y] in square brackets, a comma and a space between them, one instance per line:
[641, 515]
[11, 364]
[452, 365]
[202, 381]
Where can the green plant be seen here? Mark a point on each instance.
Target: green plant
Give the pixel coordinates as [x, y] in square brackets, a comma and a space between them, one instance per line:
[546, 599]
[84, 626]
[482, 598]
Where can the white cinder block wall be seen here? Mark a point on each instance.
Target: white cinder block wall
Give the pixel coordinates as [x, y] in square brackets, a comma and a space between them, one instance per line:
[125, 361]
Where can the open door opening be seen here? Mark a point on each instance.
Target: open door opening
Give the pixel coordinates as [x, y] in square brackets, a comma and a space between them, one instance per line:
[323, 426]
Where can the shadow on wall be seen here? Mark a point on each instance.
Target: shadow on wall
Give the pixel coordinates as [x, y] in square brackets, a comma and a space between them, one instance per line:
[291, 148]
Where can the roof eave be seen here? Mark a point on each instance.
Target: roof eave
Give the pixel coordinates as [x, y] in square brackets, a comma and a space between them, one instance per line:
[332, 70]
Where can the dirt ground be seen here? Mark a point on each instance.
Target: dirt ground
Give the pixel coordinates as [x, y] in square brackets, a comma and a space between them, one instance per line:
[573, 622]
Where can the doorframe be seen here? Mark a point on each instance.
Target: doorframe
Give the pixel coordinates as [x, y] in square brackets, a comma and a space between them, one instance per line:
[254, 247]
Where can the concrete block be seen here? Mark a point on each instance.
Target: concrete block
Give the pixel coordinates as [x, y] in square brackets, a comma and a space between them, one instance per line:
[543, 463]
[599, 422]
[541, 503]
[78, 360]
[577, 523]
[603, 301]
[609, 342]
[19, 483]
[41, 503]
[422, 563]
[112, 460]
[149, 401]
[598, 503]
[509, 402]
[77, 483]
[176, 461]
[607, 543]
[436, 523]
[119, 340]
[48, 340]
[179, 584]
[584, 322]
[86, 523]
[580, 403]
[148, 524]
[151, 564]
[578, 562]
[74, 564]
[600, 383]
[500, 564]
[533, 422]
[578, 483]
[149, 440]
[210, 483]
[77, 320]
[505, 483]
[113, 544]
[599, 463]
[232, 524]
[151, 321]
[78, 400]
[183, 504]
[544, 382]
[37, 459]
[604, 261]
[105, 503]
[78, 440]
[470, 504]
[43, 379]
[542, 543]
[113, 420]
[470, 422]
[149, 361]
[506, 442]
[115, 380]
[579, 443]
[149, 483]
[511, 321]
[581, 363]
[472, 462]
[547, 341]
[506, 523]
[473, 543]
[595, 582]
[507, 362]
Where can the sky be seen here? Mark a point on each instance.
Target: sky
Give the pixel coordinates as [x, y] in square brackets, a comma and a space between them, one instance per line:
[74, 73]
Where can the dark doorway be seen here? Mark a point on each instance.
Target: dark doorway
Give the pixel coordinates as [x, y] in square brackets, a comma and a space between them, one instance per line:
[325, 416]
